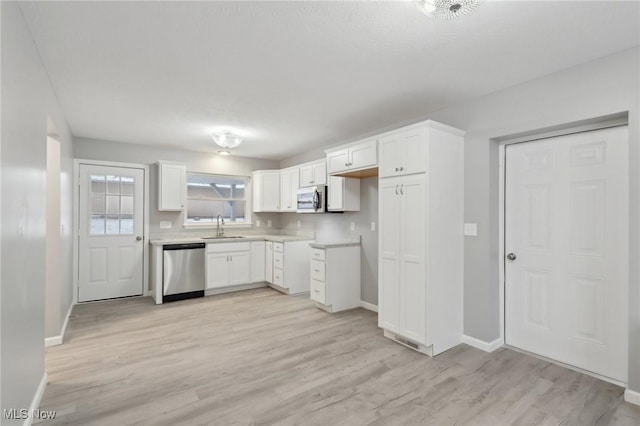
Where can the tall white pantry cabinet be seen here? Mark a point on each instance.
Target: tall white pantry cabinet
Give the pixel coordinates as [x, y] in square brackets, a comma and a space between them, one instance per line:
[421, 171]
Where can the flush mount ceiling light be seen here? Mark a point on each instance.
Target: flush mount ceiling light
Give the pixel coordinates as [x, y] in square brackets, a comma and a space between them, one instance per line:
[226, 139]
[223, 153]
[447, 9]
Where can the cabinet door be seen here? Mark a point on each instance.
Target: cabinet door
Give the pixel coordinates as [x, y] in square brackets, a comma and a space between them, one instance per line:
[294, 176]
[363, 155]
[390, 156]
[338, 161]
[239, 268]
[258, 261]
[306, 175]
[271, 191]
[320, 173]
[268, 269]
[335, 198]
[413, 286]
[217, 270]
[172, 185]
[414, 151]
[286, 202]
[389, 254]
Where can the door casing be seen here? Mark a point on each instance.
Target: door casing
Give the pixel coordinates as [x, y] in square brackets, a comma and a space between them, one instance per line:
[76, 220]
[614, 120]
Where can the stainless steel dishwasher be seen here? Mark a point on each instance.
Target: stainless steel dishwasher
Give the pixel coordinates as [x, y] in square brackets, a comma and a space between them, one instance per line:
[183, 271]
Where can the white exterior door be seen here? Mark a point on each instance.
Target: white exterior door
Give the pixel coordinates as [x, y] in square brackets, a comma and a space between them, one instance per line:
[111, 224]
[566, 224]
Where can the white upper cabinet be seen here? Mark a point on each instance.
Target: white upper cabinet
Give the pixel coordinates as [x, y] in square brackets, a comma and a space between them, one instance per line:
[312, 174]
[403, 153]
[289, 180]
[172, 186]
[266, 190]
[358, 156]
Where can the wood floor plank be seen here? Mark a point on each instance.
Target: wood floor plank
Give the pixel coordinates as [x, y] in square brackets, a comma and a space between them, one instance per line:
[262, 358]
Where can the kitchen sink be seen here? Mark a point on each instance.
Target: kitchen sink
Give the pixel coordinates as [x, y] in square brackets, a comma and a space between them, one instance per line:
[223, 237]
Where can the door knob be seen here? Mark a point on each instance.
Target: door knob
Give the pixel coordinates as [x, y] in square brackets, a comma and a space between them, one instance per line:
[512, 256]
[138, 238]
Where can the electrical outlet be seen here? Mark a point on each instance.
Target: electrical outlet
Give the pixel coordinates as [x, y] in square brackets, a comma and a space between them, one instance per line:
[258, 223]
[299, 224]
[353, 226]
[373, 226]
[471, 229]
[268, 223]
[165, 224]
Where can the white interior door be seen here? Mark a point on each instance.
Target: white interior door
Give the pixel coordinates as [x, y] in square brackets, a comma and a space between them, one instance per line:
[111, 244]
[567, 225]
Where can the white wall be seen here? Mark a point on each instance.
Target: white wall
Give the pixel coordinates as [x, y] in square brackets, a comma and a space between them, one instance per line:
[27, 101]
[53, 252]
[91, 149]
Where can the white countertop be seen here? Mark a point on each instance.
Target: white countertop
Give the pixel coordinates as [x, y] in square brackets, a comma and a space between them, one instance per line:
[330, 244]
[199, 239]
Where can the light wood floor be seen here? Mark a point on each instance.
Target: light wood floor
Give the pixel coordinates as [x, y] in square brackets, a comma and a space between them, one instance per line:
[260, 357]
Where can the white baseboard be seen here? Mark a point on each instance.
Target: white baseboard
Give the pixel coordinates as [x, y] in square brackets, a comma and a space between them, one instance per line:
[368, 306]
[57, 340]
[481, 344]
[52, 341]
[632, 397]
[35, 403]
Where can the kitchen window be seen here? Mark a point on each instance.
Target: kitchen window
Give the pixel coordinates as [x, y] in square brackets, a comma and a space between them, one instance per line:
[211, 195]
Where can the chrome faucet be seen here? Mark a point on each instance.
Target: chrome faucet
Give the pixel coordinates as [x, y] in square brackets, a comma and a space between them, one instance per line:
[219, 229]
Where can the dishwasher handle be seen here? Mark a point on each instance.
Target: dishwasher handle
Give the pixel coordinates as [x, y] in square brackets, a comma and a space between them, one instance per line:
[188, 246]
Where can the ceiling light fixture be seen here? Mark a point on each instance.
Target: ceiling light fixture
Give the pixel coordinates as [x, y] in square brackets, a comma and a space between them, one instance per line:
[447, 9]
[226, 139]
[224, 153]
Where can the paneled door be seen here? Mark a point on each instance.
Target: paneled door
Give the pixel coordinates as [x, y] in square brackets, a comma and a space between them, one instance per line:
[111, 243]
[566, 245]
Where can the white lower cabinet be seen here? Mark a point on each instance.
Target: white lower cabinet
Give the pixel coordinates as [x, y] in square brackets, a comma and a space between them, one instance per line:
[228, 264]
[335, 276]
[258, 254]
[421, 245]
[287, 266]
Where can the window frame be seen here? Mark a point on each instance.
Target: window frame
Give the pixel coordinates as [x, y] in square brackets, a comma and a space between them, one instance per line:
[248, 196]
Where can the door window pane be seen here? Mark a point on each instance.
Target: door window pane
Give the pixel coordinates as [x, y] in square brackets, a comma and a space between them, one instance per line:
[111, 205]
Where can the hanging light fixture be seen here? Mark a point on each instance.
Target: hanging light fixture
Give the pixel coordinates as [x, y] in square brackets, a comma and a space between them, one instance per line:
[227, 139]
[447, 9]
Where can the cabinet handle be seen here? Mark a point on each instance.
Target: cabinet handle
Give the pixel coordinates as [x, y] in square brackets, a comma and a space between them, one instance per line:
[346, 164]
[396, 169]
[317, 270]
[396, 189]
[402, 189]
[401, 168]
[317, 291]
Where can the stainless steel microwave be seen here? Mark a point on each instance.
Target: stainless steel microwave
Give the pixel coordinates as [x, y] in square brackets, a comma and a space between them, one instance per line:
[312, 199]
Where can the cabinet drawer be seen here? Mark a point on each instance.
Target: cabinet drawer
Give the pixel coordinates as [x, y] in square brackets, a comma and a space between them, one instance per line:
[278, 260]
[317, 254]
[317, 270]
[227, 247]
[279, 247]
[317, 292]
[278, 277]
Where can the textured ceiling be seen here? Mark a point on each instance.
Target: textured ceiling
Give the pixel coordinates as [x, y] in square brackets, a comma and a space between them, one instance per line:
[292, 76]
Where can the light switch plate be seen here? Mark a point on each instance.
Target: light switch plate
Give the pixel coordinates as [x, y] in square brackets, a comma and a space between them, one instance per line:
[373, 226]
[165, 224]
[353, 226]
[470, 229]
